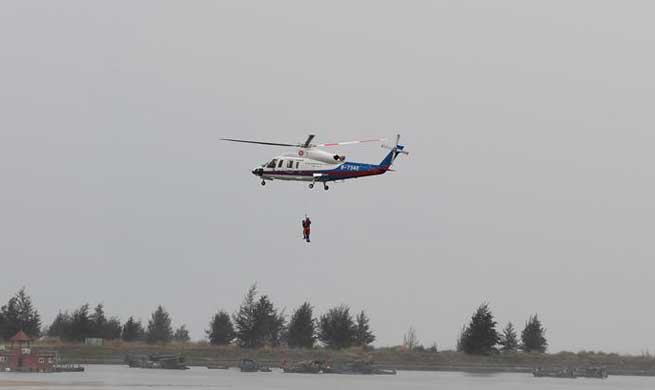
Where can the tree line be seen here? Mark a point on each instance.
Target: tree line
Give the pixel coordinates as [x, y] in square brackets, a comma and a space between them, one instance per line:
[257, 323]
[480, 336]
[83, 323]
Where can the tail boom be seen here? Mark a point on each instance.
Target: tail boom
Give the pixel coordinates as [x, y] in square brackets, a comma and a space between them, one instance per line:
[396, 149]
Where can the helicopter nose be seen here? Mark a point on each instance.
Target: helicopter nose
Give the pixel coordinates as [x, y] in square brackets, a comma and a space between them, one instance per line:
[258, 171]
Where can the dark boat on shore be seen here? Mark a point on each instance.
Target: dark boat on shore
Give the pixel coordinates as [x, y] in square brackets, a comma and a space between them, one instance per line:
[306, 367]
[164, 362]
[593, 372]
[250, 365]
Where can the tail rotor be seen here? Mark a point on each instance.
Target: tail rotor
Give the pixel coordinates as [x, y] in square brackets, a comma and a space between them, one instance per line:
[396, 149]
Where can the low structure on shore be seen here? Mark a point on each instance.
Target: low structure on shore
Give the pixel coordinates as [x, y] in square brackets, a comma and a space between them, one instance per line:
[361, 367]
[164, 362]
[306, 367]
[568, 372]
[218, 367]
[21, 357]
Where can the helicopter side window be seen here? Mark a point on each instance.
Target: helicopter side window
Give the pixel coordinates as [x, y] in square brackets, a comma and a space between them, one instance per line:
[297, 164]
[279, 165]
[290, 164]
[272, 163]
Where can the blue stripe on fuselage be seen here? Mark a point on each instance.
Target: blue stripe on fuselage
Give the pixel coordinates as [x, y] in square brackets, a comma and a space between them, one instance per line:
[352, 170]
[354, 167]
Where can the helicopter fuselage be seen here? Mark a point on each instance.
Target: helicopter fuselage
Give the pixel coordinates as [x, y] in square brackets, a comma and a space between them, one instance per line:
[295, 168]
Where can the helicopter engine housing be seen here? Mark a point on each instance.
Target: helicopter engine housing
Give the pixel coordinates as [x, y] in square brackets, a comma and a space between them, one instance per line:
[322, 156]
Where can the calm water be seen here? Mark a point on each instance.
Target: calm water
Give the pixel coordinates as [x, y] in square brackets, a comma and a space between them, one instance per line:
[123, 378]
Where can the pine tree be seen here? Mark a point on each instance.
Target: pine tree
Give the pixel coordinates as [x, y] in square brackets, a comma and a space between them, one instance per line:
[269, 324]
[508, 340]
[245, 320]
[19, 314]
[336, 328]
[61, 326]
[258, 322]
[363, 334]
[98, 322]
[221, 331]
[81, 324]
[159, 327]
[132, 330]
[112, 329]
[534, 336]
[182, 334]
[302, 328]
[480, 336]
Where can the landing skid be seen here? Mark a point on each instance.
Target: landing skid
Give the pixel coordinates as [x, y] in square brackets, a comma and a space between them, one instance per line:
[325, 186]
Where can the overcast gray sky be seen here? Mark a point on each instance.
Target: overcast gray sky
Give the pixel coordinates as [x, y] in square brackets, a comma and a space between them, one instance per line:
[529, 184]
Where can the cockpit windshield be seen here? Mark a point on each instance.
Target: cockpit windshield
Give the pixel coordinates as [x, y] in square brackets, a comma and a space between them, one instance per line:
[272, 164]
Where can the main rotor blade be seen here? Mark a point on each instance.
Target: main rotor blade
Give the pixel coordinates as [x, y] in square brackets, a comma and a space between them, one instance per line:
[258, 142]
[309, 141]
[352, 142]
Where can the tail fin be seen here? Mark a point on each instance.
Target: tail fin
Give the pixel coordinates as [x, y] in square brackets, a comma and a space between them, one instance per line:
[396, 149]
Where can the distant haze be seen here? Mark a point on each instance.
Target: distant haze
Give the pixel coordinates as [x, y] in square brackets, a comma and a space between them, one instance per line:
[530, 183]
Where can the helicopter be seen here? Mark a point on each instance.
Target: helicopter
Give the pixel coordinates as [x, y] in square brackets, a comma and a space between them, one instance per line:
[311, 164]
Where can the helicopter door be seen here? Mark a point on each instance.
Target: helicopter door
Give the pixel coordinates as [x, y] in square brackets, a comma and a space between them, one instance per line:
[290, 165]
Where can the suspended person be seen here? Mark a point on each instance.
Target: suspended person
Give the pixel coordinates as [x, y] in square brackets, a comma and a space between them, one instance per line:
[306, 223]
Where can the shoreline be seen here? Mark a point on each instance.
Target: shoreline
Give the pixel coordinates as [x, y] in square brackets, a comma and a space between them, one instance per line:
[201, 355]
[403, 367]
[398, 367]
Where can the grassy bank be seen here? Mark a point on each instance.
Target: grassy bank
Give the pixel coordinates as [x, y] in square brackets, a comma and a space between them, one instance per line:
[201, 354]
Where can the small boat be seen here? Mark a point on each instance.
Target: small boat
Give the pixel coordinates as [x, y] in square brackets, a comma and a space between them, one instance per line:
[248, 365]
[593, 372]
